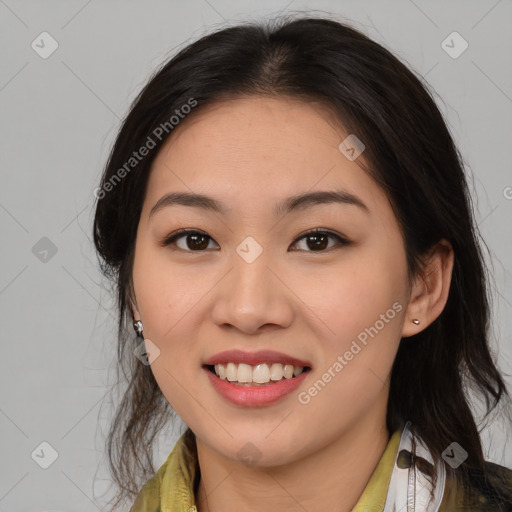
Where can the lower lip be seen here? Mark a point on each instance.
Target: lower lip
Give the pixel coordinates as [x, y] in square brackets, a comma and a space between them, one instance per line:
[254, 396]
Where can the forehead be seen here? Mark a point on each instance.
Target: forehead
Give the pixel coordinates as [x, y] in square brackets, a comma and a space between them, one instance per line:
[258, 149]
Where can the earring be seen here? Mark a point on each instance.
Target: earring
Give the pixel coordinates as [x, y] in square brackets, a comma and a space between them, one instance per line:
[137, 325]
[415, 321]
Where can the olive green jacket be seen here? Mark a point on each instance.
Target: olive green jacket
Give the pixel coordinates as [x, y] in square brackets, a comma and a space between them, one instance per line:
[396, 485]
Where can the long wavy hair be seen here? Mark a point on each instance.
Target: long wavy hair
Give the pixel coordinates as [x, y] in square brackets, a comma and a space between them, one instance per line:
[411, 155]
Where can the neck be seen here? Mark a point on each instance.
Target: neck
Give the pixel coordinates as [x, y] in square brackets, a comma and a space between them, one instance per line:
[330, 479]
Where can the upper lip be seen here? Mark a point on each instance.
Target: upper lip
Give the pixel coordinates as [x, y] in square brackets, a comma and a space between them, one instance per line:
[254, 358]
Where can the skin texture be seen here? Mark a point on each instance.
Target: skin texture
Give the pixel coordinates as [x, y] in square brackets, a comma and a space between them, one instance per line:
[251, 153]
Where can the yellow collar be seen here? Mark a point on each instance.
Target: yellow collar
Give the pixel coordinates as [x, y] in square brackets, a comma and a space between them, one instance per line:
[173, 487]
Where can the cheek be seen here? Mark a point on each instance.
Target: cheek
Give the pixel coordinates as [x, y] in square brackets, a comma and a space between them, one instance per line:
[182, 389]
[165, 291]
[361, 311]
[356, 359]
[364, 344]
[166, 296]
[357, 292]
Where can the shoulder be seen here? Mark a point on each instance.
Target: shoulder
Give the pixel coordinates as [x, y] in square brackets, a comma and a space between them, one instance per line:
[148, 499]
[499, 483]
[491, 492]
[174, 479]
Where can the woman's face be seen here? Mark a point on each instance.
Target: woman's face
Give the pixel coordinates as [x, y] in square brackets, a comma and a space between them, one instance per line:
[256, 282]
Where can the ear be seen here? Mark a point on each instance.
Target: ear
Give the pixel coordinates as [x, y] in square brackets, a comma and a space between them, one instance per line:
[430, 292]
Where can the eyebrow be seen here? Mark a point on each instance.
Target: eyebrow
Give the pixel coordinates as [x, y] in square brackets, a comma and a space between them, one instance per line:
[293, 203]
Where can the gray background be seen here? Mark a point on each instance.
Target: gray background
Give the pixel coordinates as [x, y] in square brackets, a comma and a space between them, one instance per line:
[59, 117]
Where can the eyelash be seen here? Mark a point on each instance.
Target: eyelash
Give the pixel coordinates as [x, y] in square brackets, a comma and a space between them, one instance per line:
[317, 231]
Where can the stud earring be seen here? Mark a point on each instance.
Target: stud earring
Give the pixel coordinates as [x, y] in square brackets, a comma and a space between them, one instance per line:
[415, 321]
[137, 325]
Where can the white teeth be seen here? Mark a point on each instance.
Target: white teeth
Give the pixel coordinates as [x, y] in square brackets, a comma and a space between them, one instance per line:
[244, 373]
[231, 372]
[276, 371]
[221, 371]
[259, 374]
[288, 371]
[297, 370]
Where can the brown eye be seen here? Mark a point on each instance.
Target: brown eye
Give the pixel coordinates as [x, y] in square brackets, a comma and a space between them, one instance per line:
[318, 240]
[197, 241]
[194, 240]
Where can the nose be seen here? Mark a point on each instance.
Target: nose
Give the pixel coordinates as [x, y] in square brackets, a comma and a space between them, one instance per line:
[252, 297]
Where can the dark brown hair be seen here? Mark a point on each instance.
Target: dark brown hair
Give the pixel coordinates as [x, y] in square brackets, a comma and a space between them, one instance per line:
[411, 155]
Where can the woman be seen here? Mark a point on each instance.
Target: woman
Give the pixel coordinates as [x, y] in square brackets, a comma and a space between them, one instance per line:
[286, 220]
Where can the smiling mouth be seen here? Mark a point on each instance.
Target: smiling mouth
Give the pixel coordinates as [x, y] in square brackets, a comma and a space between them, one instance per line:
[258, 375]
